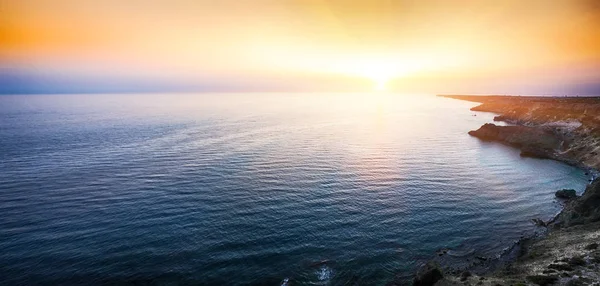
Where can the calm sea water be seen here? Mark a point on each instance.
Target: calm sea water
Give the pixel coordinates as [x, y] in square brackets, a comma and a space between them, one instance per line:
[239, 189]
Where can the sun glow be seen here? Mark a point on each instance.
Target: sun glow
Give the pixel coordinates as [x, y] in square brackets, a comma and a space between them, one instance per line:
[381, 72]
[380, 84]
[303, 45]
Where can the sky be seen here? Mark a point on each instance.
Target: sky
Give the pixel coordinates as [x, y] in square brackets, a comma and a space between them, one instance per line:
[417, 46]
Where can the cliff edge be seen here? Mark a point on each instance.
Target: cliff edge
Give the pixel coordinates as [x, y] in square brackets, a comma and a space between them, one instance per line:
[566, 129]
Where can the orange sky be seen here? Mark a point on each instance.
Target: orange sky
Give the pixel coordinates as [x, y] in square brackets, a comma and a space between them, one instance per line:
[531, 46]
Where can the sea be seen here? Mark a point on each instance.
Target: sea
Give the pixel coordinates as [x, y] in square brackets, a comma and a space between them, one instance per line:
[256, 188]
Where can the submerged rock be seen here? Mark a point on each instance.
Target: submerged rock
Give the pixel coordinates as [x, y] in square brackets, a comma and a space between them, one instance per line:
[539, 222]
[566, 194]
[428, 275]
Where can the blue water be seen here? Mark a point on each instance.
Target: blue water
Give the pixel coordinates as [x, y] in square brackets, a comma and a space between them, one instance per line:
[239, 189]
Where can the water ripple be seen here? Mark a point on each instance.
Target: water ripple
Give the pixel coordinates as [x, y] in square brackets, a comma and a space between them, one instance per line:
[310, 190]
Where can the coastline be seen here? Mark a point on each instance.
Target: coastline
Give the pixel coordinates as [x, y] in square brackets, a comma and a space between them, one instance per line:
[565, 251]
[558, 128]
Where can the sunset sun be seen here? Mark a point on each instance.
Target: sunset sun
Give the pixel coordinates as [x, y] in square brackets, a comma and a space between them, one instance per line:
[380, 73]
[381, 83]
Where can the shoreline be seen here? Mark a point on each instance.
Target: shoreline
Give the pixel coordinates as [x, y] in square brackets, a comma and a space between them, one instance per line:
[556, 128]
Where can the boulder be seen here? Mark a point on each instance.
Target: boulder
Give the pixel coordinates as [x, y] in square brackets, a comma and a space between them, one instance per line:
[539, 222]
[465, 275]
[566, 194]
[428, 275]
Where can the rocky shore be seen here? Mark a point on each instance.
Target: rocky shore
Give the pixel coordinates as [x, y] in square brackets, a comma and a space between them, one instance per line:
[560, 128]
[568, 255]
[563, 129]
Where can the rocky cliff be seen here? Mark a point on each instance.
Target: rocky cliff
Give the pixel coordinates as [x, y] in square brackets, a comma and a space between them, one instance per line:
[560, 128]
[533, 142]
[565, 129]
[584, 209]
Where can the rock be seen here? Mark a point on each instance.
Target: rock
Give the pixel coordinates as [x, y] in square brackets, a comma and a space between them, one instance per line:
[542, 279]
[591, 246]
[465, 275]
[583, 209]
[577, 282]
[442, 251]
[532, 152]
[533, 142]
[560, 266]
[566, 194]
[428, 275]
[595, 257]
[539, 222]
[319, 263]
[576, 261]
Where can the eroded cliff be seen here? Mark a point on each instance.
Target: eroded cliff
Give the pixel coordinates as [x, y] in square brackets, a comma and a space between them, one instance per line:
[561, 128]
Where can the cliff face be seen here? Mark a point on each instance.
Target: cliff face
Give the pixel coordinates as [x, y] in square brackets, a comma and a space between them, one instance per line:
[541, 122]
[584, 209]
[533, 142]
